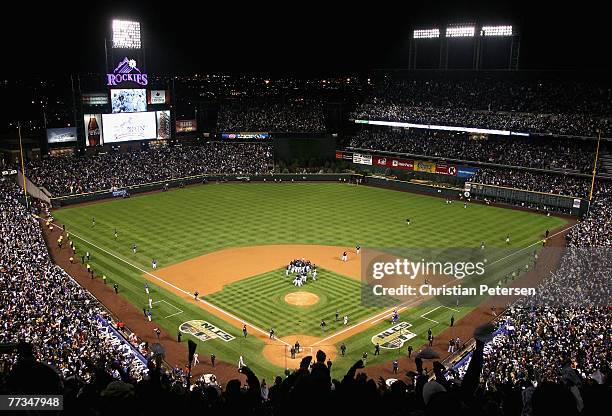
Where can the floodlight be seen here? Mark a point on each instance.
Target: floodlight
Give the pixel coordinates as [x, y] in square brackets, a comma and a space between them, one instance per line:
[497, 31]
[426, 33]
[460, 31]
[126, 34]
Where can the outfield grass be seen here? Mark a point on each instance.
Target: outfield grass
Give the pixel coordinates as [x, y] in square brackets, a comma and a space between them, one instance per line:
[180, 224]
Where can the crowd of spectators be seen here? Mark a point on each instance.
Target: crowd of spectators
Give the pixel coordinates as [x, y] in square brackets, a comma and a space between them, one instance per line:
[562, 334]
[537, 106]
[263, 116]
[560, 184]
[63, 327]
[549, 123]
[533, 152]
[79, 174]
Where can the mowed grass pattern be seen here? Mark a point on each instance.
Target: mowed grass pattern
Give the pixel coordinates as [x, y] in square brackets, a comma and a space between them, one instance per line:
[261, 300]
[180, 224]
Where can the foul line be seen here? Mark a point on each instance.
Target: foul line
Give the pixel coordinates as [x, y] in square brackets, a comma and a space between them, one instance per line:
[435, 309]
[171, 285]
[408, 303]
[171, 305]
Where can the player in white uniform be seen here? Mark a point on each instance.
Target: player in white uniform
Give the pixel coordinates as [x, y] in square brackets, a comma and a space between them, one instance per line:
[345, 319]
[241, 363]
[344, 256]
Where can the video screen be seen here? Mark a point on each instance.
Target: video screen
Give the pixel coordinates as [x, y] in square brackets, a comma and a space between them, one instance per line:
[129, 100]
[125, 127]
[61, 135]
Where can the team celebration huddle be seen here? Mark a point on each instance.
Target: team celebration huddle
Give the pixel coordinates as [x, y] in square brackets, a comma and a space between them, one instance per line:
[300, 270]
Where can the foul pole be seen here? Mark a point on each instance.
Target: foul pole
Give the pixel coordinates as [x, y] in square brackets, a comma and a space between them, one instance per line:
[23, 169]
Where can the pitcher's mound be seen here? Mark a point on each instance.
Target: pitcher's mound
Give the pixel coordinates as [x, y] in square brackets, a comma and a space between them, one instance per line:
[301, 298]
[280, 355]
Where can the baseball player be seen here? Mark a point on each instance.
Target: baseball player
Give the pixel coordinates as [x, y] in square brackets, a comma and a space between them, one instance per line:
[116, 235]
[154, 264]
[134, 248]
[345, 319]
[344, 256]
[314, 275]
[150, 303]
[508, 239]
[407, 221]
[241, 363]
[146, 286]
[358, 248]
[93, 221]
[196, 359]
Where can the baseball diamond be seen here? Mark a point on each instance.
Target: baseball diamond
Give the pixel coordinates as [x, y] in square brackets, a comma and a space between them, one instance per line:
[231, 242]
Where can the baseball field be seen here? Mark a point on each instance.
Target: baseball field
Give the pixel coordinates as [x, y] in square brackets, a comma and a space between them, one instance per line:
[232, 242]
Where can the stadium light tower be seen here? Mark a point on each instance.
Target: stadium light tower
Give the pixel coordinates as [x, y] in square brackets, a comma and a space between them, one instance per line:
[421, 35]
[496, 31]
[126, 34]
[426, 33]
[460, 31]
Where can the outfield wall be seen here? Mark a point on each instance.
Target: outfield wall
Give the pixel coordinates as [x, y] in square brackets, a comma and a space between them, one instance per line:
[200, 179]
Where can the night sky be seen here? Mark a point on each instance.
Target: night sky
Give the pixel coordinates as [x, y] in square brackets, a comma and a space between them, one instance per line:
[312, 38]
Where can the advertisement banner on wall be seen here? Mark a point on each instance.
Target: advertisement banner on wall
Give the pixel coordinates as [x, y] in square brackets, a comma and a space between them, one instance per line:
[339, 155]
[124, 127]
[95, 99]
[362, 159]
[163, 124]
[466, 172]
[420, 166]
[245, 135]
[62, 135]
[443, 169]
[186, 126]
[158, 97]
[93, 129]
[380, 161]
[402, 164]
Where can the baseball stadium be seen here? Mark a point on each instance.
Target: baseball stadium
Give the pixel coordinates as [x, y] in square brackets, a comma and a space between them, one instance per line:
[418, 240]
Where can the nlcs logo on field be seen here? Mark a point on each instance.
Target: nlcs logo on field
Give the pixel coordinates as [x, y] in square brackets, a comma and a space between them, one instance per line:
[394, 337]
[204, 331]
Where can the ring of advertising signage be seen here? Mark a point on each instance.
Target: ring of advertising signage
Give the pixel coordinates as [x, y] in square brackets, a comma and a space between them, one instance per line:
[245, 135]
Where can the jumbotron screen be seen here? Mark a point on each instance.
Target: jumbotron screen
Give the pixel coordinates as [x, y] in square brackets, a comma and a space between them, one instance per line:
[129, 100]
[125, 127]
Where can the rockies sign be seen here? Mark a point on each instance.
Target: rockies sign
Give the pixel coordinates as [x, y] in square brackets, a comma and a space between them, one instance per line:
[204, 331]
[394, 337]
